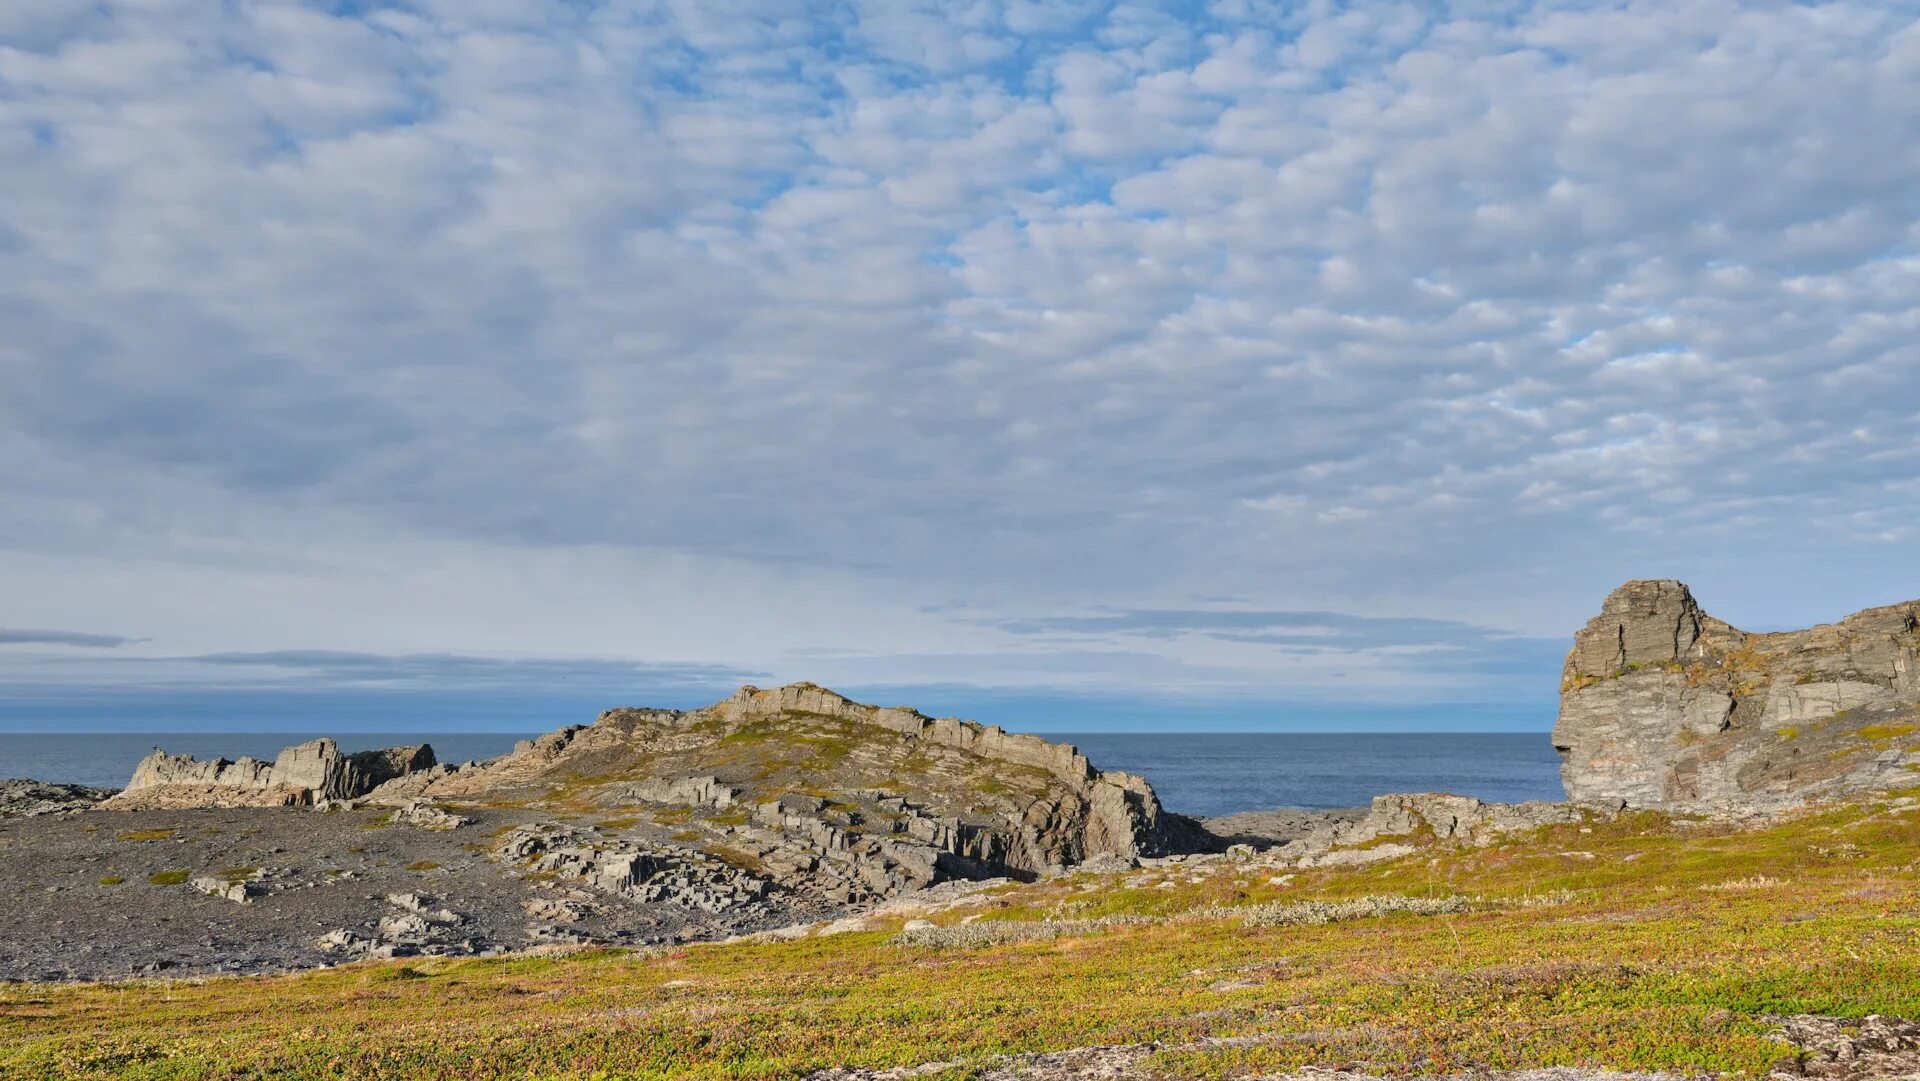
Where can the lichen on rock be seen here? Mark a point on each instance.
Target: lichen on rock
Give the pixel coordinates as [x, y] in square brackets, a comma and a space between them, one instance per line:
[1662, 705]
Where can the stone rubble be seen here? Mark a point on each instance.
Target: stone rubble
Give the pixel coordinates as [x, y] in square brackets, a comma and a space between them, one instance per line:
[238, 890]
[1842, 1049]
[413, 928]
[423, 814]
[645, 873]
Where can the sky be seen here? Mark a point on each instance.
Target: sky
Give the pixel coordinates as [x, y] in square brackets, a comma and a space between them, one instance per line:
[1186, 365]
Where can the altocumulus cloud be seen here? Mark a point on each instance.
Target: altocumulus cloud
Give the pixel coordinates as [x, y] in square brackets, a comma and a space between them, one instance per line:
[779, 323]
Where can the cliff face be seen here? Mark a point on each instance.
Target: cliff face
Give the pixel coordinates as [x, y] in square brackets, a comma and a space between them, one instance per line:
[1662, 705]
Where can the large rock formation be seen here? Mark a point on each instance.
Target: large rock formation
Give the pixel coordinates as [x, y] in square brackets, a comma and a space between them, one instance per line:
[815, 796]
[847, 800]
[1662, 705]
[306, 774]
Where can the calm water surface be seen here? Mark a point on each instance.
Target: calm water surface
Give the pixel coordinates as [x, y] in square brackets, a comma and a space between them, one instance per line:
[1196, 773]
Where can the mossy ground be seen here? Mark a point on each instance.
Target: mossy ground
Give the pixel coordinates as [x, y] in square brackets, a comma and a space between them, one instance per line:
[1678, 947]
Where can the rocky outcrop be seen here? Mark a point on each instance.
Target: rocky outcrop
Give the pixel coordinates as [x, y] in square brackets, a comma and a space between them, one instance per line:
[423, 815]
[1394, 822]
[826, 800]
[25, 799]
[666, 874]
[1112, 813]
[836, 798]
[307, 774]
[1665, 706]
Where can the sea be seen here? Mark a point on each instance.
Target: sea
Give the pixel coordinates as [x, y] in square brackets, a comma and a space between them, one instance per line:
[1196, 773]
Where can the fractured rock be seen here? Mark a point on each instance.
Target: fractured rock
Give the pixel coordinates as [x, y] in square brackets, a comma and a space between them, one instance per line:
[425, 815]
[1665, 706]
[24, 798]
[664, 874]
[311, 773]
[1439, 815]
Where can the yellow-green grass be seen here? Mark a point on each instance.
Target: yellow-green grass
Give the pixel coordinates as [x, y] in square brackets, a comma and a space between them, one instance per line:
[1642, 969]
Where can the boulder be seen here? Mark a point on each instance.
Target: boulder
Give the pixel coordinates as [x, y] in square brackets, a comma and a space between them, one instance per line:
[239, 892]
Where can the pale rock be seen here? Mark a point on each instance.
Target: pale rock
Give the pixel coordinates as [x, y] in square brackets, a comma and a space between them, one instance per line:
[239, 892]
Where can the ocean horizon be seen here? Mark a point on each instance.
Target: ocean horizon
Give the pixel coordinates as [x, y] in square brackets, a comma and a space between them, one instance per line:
[1197, 773]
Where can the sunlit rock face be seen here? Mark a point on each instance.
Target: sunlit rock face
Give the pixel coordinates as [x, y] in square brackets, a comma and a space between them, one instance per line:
[313, 772]
[1662, 705]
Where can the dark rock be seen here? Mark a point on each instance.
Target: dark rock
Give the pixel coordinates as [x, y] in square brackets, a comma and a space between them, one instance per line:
[25, 798]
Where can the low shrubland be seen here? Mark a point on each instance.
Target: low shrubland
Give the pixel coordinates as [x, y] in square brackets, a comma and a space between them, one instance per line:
[1640, 943]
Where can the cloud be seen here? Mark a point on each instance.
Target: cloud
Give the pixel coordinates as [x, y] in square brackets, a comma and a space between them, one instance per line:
[14, 636]
[443, 671]
[1329, 630]
[303, 671]
[1455, 314]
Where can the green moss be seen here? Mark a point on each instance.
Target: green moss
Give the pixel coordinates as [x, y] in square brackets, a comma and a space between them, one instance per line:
[149, 835]
[169, 878]
[423, 865]
[1879, 732]
[111, 880]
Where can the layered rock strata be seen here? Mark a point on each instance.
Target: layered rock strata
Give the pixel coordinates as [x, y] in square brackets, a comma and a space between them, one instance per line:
[1662, 705]
[826, 800]
[310, 773]
[856, 801]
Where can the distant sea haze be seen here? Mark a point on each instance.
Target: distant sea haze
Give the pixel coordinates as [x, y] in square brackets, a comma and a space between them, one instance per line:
[1195, 773]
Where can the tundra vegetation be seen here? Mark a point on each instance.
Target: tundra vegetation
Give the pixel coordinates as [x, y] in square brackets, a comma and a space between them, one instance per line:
[1649, 942]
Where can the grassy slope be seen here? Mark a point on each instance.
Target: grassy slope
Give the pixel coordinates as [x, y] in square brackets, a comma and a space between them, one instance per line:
[1648, 966]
